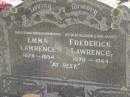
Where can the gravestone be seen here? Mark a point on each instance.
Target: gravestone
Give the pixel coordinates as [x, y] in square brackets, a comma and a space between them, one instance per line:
[126, 22]
[66, 42]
